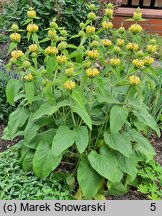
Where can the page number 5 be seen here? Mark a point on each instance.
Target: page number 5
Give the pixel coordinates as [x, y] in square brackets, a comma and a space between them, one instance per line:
[153, 207]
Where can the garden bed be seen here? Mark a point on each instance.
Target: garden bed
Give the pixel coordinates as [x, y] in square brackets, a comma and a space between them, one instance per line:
[133, 194]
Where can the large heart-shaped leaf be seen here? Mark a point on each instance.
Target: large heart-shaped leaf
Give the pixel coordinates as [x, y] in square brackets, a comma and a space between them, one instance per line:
[106, 164]
[142, 145]
[146, 118]
[63, 139]
[128, 165]
[81, 138]
[16, 120]
[89, 180]
[118, 117]
[119, 142]
[45, 161]
[12, 89]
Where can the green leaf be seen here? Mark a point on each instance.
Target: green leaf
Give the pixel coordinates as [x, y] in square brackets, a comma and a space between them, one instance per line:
[117, 189]
[146, 118]
[16, 120]
[45, 135]
[50, 65]
[27, 163]
[118, 117]
[106, 99]
[29, 90]
[33, 126]
[12, 88]
[45, 109]
[119, 142]
[142, 145]
[106, 164]
[89, 184]
[99, 82]
[128, 165]
[77, 95]
[82, 112]
[45, 161]
[63, 139]
[81, 138]
[11, 47]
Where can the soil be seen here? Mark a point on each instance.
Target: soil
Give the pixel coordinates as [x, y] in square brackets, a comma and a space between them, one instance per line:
[132, 194]
[4, 145]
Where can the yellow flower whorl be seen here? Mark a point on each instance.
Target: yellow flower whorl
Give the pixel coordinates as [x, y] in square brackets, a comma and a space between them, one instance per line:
[33, 48]
[32, 28]
[69, 85]
[134, 80]
[31, 14]
[92, 72]
[51, 50]
[16, 54]
[94, 54]
[15, 37]
[107, 25]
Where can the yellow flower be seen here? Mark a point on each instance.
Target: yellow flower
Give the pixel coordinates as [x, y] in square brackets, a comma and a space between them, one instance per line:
[53, 24]
[51, 50]
[148, 60]
[151, 48]
[137, 16]
[132, 47]
[95, 43]
[92, 72]
[138, 63]
[121, 29]
[14, 27]
[69, 85]
[33, 48]
[114, 62]
[106, 42]
[92, 16]
[120, 42]
[139, 54]
[88, 64]
[61, 59]
[28, 77]
[135, 28]
[16, 54]
[134, 80]
[90, 29]
[69, 72]
[15, 37]
[32, 28]
[107, 25]
[62, 45]
[52, 34]
[109, 12]
[94, 54]
[26, 64]
[31, 14]
[117, 49]
[92, 6]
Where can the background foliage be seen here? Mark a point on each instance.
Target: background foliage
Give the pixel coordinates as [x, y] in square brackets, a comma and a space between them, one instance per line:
[16, 184]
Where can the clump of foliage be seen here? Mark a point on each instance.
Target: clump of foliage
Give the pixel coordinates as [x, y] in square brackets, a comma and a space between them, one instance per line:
[85, 104]
[16, 184]
[5, 107]
[150, 174]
